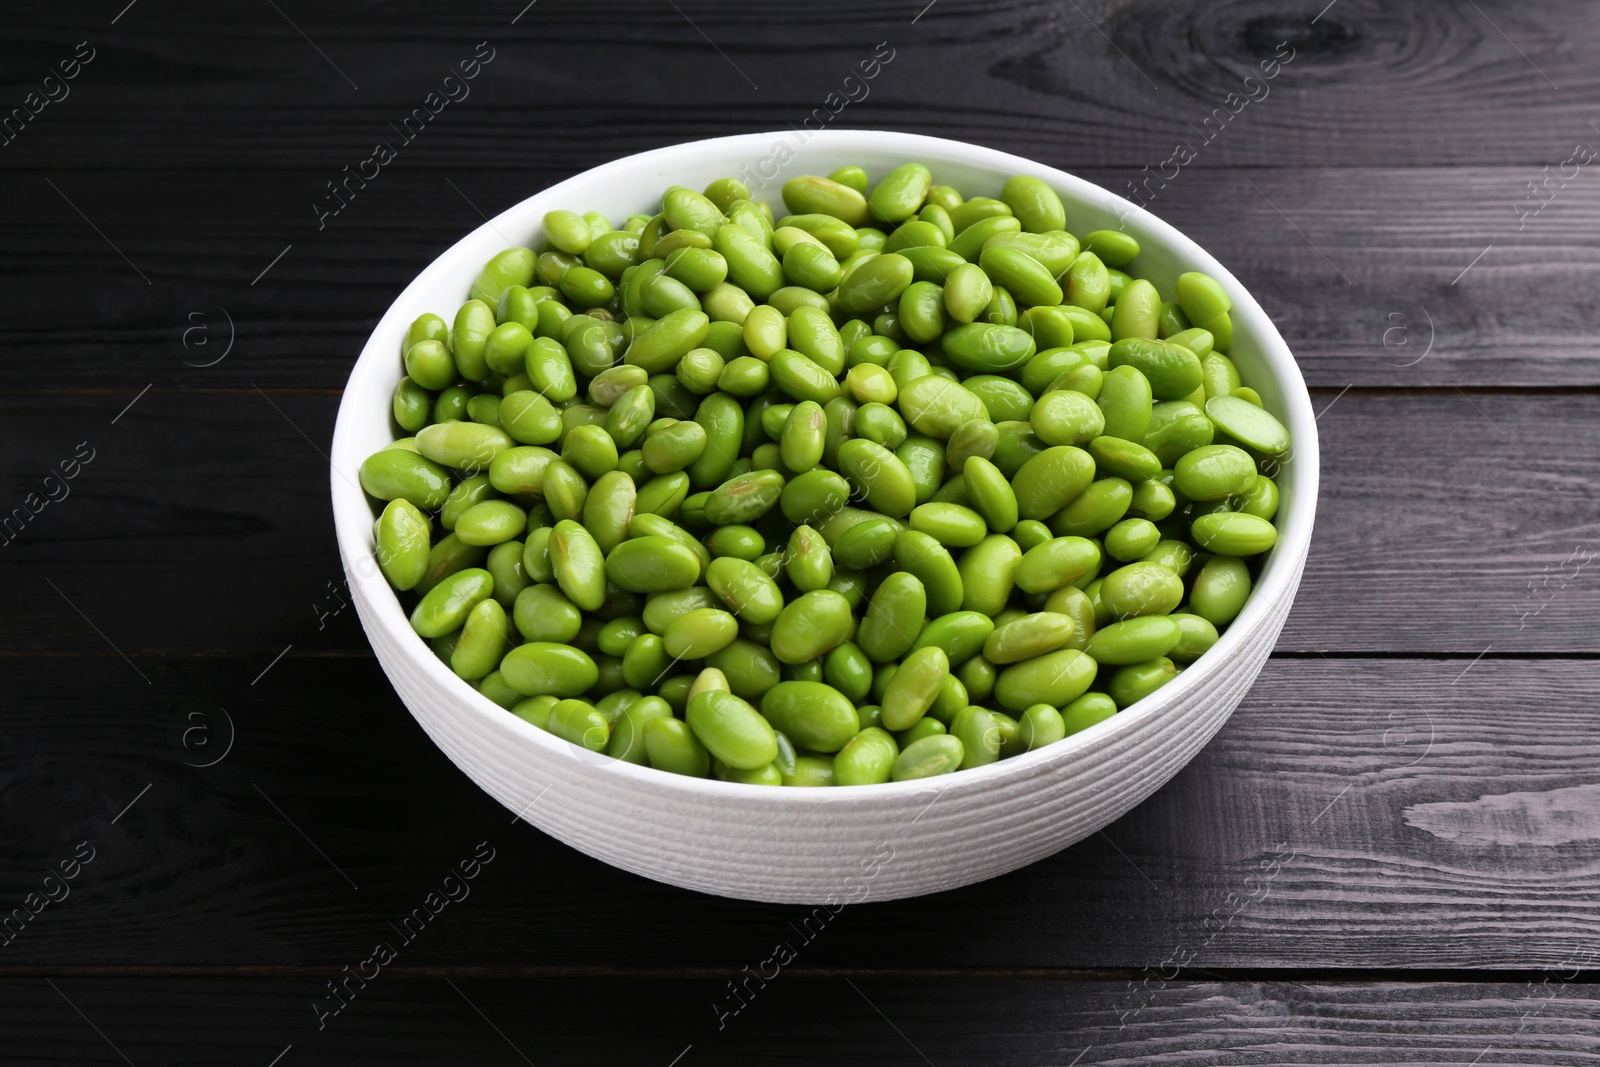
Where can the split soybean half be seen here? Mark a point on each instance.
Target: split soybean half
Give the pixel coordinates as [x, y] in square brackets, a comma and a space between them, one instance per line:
[878, 483]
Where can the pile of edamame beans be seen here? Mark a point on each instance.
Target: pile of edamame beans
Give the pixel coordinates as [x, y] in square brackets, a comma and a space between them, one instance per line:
[897, 484]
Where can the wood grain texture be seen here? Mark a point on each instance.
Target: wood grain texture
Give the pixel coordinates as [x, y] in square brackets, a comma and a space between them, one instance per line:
[1413, 313]
[1090, 84]
[1305, 835]
[1446, 524]
[798, 1018]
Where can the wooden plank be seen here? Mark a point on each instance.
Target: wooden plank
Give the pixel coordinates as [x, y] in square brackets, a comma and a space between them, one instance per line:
[1366, 813]
[202, 525]
[798, 1018]
[1102, 84]
[1445, 290]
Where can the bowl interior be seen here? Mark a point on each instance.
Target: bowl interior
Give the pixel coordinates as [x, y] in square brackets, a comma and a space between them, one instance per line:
[633, 185]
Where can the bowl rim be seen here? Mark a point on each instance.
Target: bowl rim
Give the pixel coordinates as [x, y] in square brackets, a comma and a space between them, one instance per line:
[353, 515]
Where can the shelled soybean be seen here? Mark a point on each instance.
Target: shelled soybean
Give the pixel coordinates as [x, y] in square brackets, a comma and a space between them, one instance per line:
[898, 484]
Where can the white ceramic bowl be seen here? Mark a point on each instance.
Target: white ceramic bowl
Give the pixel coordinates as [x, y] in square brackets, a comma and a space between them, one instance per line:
[821, 845]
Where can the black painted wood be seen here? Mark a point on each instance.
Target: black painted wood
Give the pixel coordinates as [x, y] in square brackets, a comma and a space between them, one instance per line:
[1397, 278]
[1421, 747]
[803, 1018]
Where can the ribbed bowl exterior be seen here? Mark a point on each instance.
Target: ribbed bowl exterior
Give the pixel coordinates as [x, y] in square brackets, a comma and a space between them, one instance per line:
[821, 846]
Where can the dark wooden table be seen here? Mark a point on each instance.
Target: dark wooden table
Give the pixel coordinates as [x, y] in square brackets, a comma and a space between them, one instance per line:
[1392, 852]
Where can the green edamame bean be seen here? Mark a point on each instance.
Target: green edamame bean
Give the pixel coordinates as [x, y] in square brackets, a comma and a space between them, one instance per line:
[811, 265]
[744, 498]
[927, 726]
[1248, 424]
[483, 641]
[1066, 418]
[1171, 369]
[401, 543]
[879, 475]
[1027, 637]
[939, 754]
[811, 625]
[1116, 248]
[1058, 562]
[543, 613]
[731, 730]
[991, 494]
[1196, 635]
[1044, 483]
[1261, 499]
[1121, 458]
[1137, 312]
[466, 446]
[875, 282]
[848, 670]
[960, 634]
[541, 667]
[1220, 590]
[1087, 710]
[445, 606]
[932, 564]
[1131, 539]
[1003, 399]
[700, 633]
[802, 377]
[411, 405]
[399, 474]
[1233, 533]
[447, 557]
[672, 746]
[1214, 472]
[1202, 298]
[751, 668]
[802, 438]
[751, 266]
[809, 194]
[1126, 399]
[899, 194]
[988, 347]
[1088, 285]
[1035, 204]
[894, 617]
[1024, 277]
[578, 564]
[810, 564]
[868, 758]
[1102, 503]
[813, 335]
[627, 734]
[652, 564]
[937, 407]
[1141, 588]
[674, 447]
[579, 723]
[979, 734]
[914, 686]
[1055, 678]
[816, 716]
[922, 312]
[1040, 725]
[1130, 684]
[988, 572]
[467, 493]
[1152, 500]
[952, 525]
[1133, 640]
[491, 522]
